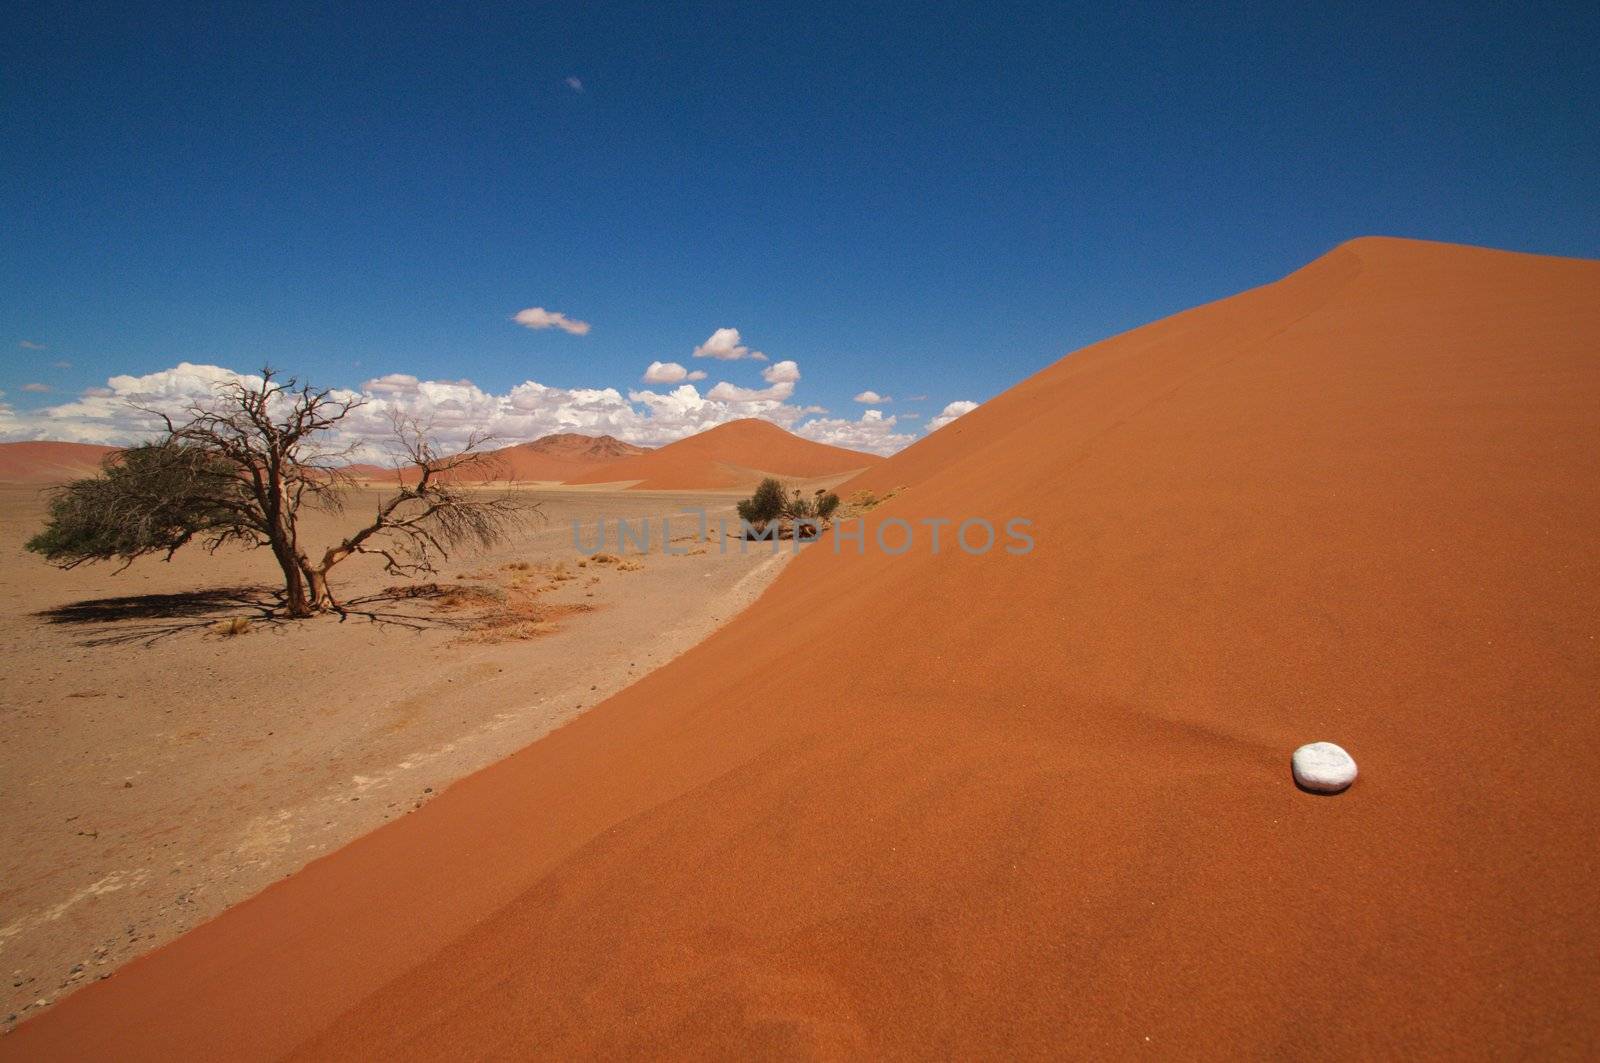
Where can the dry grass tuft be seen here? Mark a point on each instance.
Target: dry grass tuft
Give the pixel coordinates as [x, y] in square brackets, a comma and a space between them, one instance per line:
[630, 566]
[234, 625]
[451, 599]
[520, 619]
[864, 502]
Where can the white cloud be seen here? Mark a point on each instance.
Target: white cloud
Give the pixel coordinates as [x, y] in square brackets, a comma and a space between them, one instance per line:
[575, 84]
[785, 372]
[725, 345]
[392, 384]
[726, 392]
[871, 397]
[29, 345]
[783, 376]
[670, 373]
[60, 365]
[454, 410]
[537, 317]
[950, 413]
[108, 414]
[874, 433]
[37, 389]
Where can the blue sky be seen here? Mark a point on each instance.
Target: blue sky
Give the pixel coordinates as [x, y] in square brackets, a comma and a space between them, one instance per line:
[917, 200]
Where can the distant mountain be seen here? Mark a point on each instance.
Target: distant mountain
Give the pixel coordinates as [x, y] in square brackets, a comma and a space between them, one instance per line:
[736, 454]
[43, 463]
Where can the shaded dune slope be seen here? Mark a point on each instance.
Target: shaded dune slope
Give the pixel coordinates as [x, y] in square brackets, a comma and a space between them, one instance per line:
[939, 804]
[43, 463]
[730, 455]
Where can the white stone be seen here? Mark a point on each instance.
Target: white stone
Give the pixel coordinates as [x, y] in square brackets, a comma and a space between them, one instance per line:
[1323, 768]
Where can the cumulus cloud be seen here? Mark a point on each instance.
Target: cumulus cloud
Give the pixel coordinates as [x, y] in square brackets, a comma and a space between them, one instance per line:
[670, 373]
[950, 413]
[870, 396]
[785, 372]
[113, 414]
[726, 392]
[725, 345]
[37, 389]
[575, 84]
[537, 317]
[874, 433]
[392, 384]
[453, 410]
[29, 345]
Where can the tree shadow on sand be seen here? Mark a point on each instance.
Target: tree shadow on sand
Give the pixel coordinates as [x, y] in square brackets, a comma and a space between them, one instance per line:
[146, 619]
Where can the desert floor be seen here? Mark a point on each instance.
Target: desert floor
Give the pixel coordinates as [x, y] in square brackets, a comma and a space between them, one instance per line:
[154, 770]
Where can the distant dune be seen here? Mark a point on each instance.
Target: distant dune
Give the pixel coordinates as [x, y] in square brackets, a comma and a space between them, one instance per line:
[549, 458]
[957, 806]
[43, 463]
[736, 454]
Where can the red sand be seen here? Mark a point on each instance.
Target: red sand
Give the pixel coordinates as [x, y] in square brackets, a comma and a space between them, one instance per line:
[735, 454]
[955, 806]
[42, 463]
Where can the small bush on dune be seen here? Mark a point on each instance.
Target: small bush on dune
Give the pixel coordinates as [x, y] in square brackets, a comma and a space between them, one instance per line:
[771, 502]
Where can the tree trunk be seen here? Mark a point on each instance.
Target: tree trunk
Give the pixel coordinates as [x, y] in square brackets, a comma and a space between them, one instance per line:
[321, 597]
[294, 584]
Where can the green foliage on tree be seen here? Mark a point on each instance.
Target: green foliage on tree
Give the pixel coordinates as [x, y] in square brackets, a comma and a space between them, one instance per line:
[771, 502]
[152, 499]
[765, 506]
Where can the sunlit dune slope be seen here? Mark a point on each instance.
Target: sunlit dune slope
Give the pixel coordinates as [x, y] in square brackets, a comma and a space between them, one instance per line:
[548, 458]
[735, 454]
[960, 806]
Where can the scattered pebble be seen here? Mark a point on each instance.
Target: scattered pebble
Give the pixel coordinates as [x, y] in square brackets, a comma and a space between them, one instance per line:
[1323, 768]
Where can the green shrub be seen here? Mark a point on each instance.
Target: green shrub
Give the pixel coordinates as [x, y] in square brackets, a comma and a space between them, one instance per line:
[765, 506]
[150, 499]
[771, 502]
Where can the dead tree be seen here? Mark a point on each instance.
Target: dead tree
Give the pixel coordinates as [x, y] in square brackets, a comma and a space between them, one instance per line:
[244, 467]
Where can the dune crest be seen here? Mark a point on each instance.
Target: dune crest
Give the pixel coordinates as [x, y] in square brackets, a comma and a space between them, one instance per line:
[1041, 805]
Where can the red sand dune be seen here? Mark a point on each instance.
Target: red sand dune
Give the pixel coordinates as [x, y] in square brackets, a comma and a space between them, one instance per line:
[43, 463]
[735, 454]
[956, 806]
[549, 458]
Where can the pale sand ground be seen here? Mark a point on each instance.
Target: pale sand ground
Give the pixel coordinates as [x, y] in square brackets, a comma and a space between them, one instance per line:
[153, 772]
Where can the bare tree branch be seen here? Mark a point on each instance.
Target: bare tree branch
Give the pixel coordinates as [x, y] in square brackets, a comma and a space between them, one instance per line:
[241, 468]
